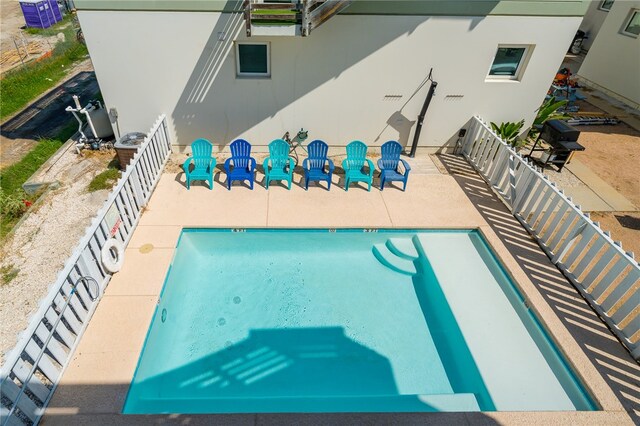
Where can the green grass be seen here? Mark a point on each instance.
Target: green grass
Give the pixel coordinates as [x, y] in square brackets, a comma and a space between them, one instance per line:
[257, 20]
[12, 177]
[52, 30]
[8, 273]
[274, 12]
[22, 85]
[106, 179]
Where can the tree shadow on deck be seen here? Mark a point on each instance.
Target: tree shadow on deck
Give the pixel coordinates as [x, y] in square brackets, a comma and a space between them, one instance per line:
[610, 358]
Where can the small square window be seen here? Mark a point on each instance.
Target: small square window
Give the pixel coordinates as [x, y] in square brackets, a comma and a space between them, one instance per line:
[632, 25]
[509, 62]
[606, 5]
[252, 60]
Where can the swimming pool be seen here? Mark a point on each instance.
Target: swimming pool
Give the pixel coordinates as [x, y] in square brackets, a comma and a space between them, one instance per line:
[271, 320]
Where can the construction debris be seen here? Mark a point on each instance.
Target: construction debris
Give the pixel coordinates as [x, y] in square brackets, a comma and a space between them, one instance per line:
[591, 119]
[22, 53]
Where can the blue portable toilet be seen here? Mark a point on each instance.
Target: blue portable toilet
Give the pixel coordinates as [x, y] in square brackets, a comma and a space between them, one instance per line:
[40, 13]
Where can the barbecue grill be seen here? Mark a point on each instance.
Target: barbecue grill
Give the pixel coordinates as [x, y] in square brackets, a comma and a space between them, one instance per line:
[561, 140]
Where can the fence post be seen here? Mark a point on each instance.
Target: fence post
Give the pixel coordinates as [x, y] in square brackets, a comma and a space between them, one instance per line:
[512, 180]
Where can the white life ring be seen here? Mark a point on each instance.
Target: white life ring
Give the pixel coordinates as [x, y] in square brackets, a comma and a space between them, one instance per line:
[112, 255]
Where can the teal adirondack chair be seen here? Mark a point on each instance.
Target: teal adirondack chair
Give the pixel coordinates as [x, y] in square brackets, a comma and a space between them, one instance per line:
[203, 163]
[354, 165]
[281, 164]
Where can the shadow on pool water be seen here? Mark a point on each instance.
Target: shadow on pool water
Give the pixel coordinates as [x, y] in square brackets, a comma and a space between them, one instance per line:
[279, 370]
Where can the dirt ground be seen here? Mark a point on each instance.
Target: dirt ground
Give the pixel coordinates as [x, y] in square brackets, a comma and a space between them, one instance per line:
[11, 21]
[624, 227]
[613, 153]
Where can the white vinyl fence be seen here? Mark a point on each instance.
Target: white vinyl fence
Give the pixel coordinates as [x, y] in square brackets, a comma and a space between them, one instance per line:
[34, 367]
[607, 277]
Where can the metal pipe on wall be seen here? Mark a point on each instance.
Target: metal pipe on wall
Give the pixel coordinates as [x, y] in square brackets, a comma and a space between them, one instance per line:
[423, 112]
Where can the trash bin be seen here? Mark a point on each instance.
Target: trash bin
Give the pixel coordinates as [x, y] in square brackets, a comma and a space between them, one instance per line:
[127, 146]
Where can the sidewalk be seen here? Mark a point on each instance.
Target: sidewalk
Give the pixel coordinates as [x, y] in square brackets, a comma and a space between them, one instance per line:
[596, 195]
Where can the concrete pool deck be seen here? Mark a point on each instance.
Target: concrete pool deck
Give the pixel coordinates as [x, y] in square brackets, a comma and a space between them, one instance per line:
[95, 384]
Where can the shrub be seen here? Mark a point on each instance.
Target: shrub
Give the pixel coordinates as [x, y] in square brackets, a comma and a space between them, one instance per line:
[104, 180]
[549, 111]
[13, 205]
[509, 132]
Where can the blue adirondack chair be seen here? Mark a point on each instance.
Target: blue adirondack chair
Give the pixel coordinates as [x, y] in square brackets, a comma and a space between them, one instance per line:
[389, 165]
[354, 164]
[241, 166]
[281, 164]
[203, 163]
[314, 164]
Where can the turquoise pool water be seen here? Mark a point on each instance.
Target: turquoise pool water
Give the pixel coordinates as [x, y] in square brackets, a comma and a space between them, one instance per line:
[346, 321]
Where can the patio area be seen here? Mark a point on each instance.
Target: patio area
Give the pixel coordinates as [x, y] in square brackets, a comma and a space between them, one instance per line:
[445, 195]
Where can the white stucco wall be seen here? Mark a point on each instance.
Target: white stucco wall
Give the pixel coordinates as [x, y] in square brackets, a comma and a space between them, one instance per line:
[332, 83]
[613, 62]
[593, 20]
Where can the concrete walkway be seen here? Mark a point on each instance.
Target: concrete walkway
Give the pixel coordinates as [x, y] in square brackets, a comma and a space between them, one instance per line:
[596, 195]
[599, 98]
[94, 386]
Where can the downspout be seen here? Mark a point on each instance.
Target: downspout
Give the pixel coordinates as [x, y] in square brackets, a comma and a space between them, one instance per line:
[423, 112]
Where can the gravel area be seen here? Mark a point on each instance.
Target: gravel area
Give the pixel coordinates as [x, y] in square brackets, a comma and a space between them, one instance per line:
[45, 239]
[564, 179]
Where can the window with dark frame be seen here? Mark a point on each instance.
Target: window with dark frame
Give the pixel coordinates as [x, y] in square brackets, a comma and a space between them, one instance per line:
[252, 60]
[508, 62]
[606, 5]
[632, 25]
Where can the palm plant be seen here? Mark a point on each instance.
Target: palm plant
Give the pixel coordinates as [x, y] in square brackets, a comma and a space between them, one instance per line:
[549, 111]
[509, 132]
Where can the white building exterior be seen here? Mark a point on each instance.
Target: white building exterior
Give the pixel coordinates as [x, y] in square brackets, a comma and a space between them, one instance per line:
[593, 19]
[613, 62]
[358, 76]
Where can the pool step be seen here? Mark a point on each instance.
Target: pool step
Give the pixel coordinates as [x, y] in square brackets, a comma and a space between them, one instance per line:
[477, 303]
[403, 247]
[393, 261]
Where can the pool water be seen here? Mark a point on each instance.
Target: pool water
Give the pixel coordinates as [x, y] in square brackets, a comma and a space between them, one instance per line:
[345, 321]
